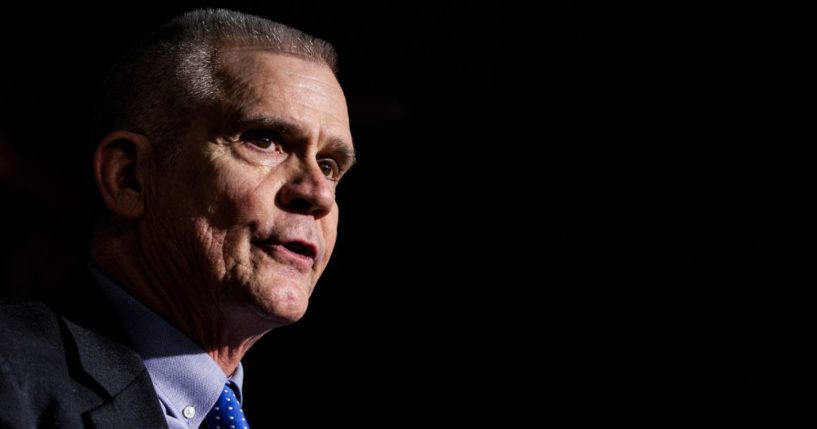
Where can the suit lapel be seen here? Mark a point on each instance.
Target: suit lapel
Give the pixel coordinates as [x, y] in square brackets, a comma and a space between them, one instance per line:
[115, 370]
[134, 406]
[118, 371]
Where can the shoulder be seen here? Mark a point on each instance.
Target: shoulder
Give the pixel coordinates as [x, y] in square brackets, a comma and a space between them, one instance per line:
[34, 318]
[26, 316]
[37, 379]
[28, 330]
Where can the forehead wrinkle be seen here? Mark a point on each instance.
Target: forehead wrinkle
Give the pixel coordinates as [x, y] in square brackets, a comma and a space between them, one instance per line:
[314, 95]
[251, 104]
[245, 75]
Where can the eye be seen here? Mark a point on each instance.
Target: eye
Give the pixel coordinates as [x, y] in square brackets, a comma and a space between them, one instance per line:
[266, 140]
[329, 168]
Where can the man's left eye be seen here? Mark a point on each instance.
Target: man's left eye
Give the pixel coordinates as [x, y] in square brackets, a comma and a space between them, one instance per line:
[329, 168]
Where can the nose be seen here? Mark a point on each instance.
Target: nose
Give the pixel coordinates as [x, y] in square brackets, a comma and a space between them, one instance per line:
[307, 191]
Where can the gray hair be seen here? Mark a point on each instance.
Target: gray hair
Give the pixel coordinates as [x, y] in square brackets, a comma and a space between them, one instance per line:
[161, 84]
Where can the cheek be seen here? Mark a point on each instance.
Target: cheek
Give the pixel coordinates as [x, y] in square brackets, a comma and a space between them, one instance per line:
[224, 250]
[242, 199]
[224, 228]
[329, 230]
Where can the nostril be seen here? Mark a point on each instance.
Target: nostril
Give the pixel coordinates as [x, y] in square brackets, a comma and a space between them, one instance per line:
[306, 197]
[299, 205]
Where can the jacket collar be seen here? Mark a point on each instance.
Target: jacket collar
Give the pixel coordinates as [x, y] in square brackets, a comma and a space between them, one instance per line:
[104, 353]
[129, 399]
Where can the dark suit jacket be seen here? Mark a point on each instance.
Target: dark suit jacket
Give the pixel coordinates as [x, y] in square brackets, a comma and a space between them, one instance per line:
[68, 364]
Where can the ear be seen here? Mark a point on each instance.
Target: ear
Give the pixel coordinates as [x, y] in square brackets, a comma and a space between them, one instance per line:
[119, 163]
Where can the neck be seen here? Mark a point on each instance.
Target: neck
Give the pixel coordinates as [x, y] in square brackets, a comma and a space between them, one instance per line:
[170, 288]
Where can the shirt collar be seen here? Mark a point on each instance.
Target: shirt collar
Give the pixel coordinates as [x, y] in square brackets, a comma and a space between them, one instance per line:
[183, 374]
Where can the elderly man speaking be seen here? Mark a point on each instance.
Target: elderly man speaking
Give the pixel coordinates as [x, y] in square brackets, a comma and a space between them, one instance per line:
[219, 143]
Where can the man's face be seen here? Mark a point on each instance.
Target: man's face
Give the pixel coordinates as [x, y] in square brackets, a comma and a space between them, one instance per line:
[249, 206]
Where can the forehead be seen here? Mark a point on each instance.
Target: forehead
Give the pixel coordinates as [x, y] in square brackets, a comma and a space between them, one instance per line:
[261, 83]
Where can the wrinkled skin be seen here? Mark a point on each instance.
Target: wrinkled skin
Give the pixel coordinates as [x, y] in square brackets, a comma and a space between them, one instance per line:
[236, 233]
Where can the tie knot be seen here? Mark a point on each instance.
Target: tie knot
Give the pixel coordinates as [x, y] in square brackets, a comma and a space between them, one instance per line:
[226, 413]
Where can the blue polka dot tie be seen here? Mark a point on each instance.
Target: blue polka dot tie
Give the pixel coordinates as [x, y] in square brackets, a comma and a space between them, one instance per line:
[226, 414]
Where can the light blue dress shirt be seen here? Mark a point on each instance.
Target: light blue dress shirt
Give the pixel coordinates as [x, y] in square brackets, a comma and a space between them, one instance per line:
[187, 380]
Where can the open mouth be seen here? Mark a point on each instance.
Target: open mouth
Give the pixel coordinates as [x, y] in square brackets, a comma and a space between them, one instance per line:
[301, 248]
[297, 248]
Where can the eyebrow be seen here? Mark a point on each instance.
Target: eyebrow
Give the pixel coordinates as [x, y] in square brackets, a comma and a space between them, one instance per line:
[341, 147]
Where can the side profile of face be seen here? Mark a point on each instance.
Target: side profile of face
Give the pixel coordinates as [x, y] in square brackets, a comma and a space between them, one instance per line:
[249, 205]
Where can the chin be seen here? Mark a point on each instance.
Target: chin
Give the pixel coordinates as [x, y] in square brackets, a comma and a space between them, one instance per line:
[283, 303]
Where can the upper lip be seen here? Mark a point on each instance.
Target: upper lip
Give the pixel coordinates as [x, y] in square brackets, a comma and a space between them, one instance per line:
[301, 247]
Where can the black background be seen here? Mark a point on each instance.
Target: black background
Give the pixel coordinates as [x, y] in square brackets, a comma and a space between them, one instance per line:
[583, 212]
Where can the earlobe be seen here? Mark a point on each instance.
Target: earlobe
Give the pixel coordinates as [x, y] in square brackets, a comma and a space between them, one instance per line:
[119, 161]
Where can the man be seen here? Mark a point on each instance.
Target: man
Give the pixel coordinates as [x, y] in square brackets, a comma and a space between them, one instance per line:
[220, 142]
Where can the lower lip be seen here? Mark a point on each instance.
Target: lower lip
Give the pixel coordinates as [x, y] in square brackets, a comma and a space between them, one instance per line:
[281, 254]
